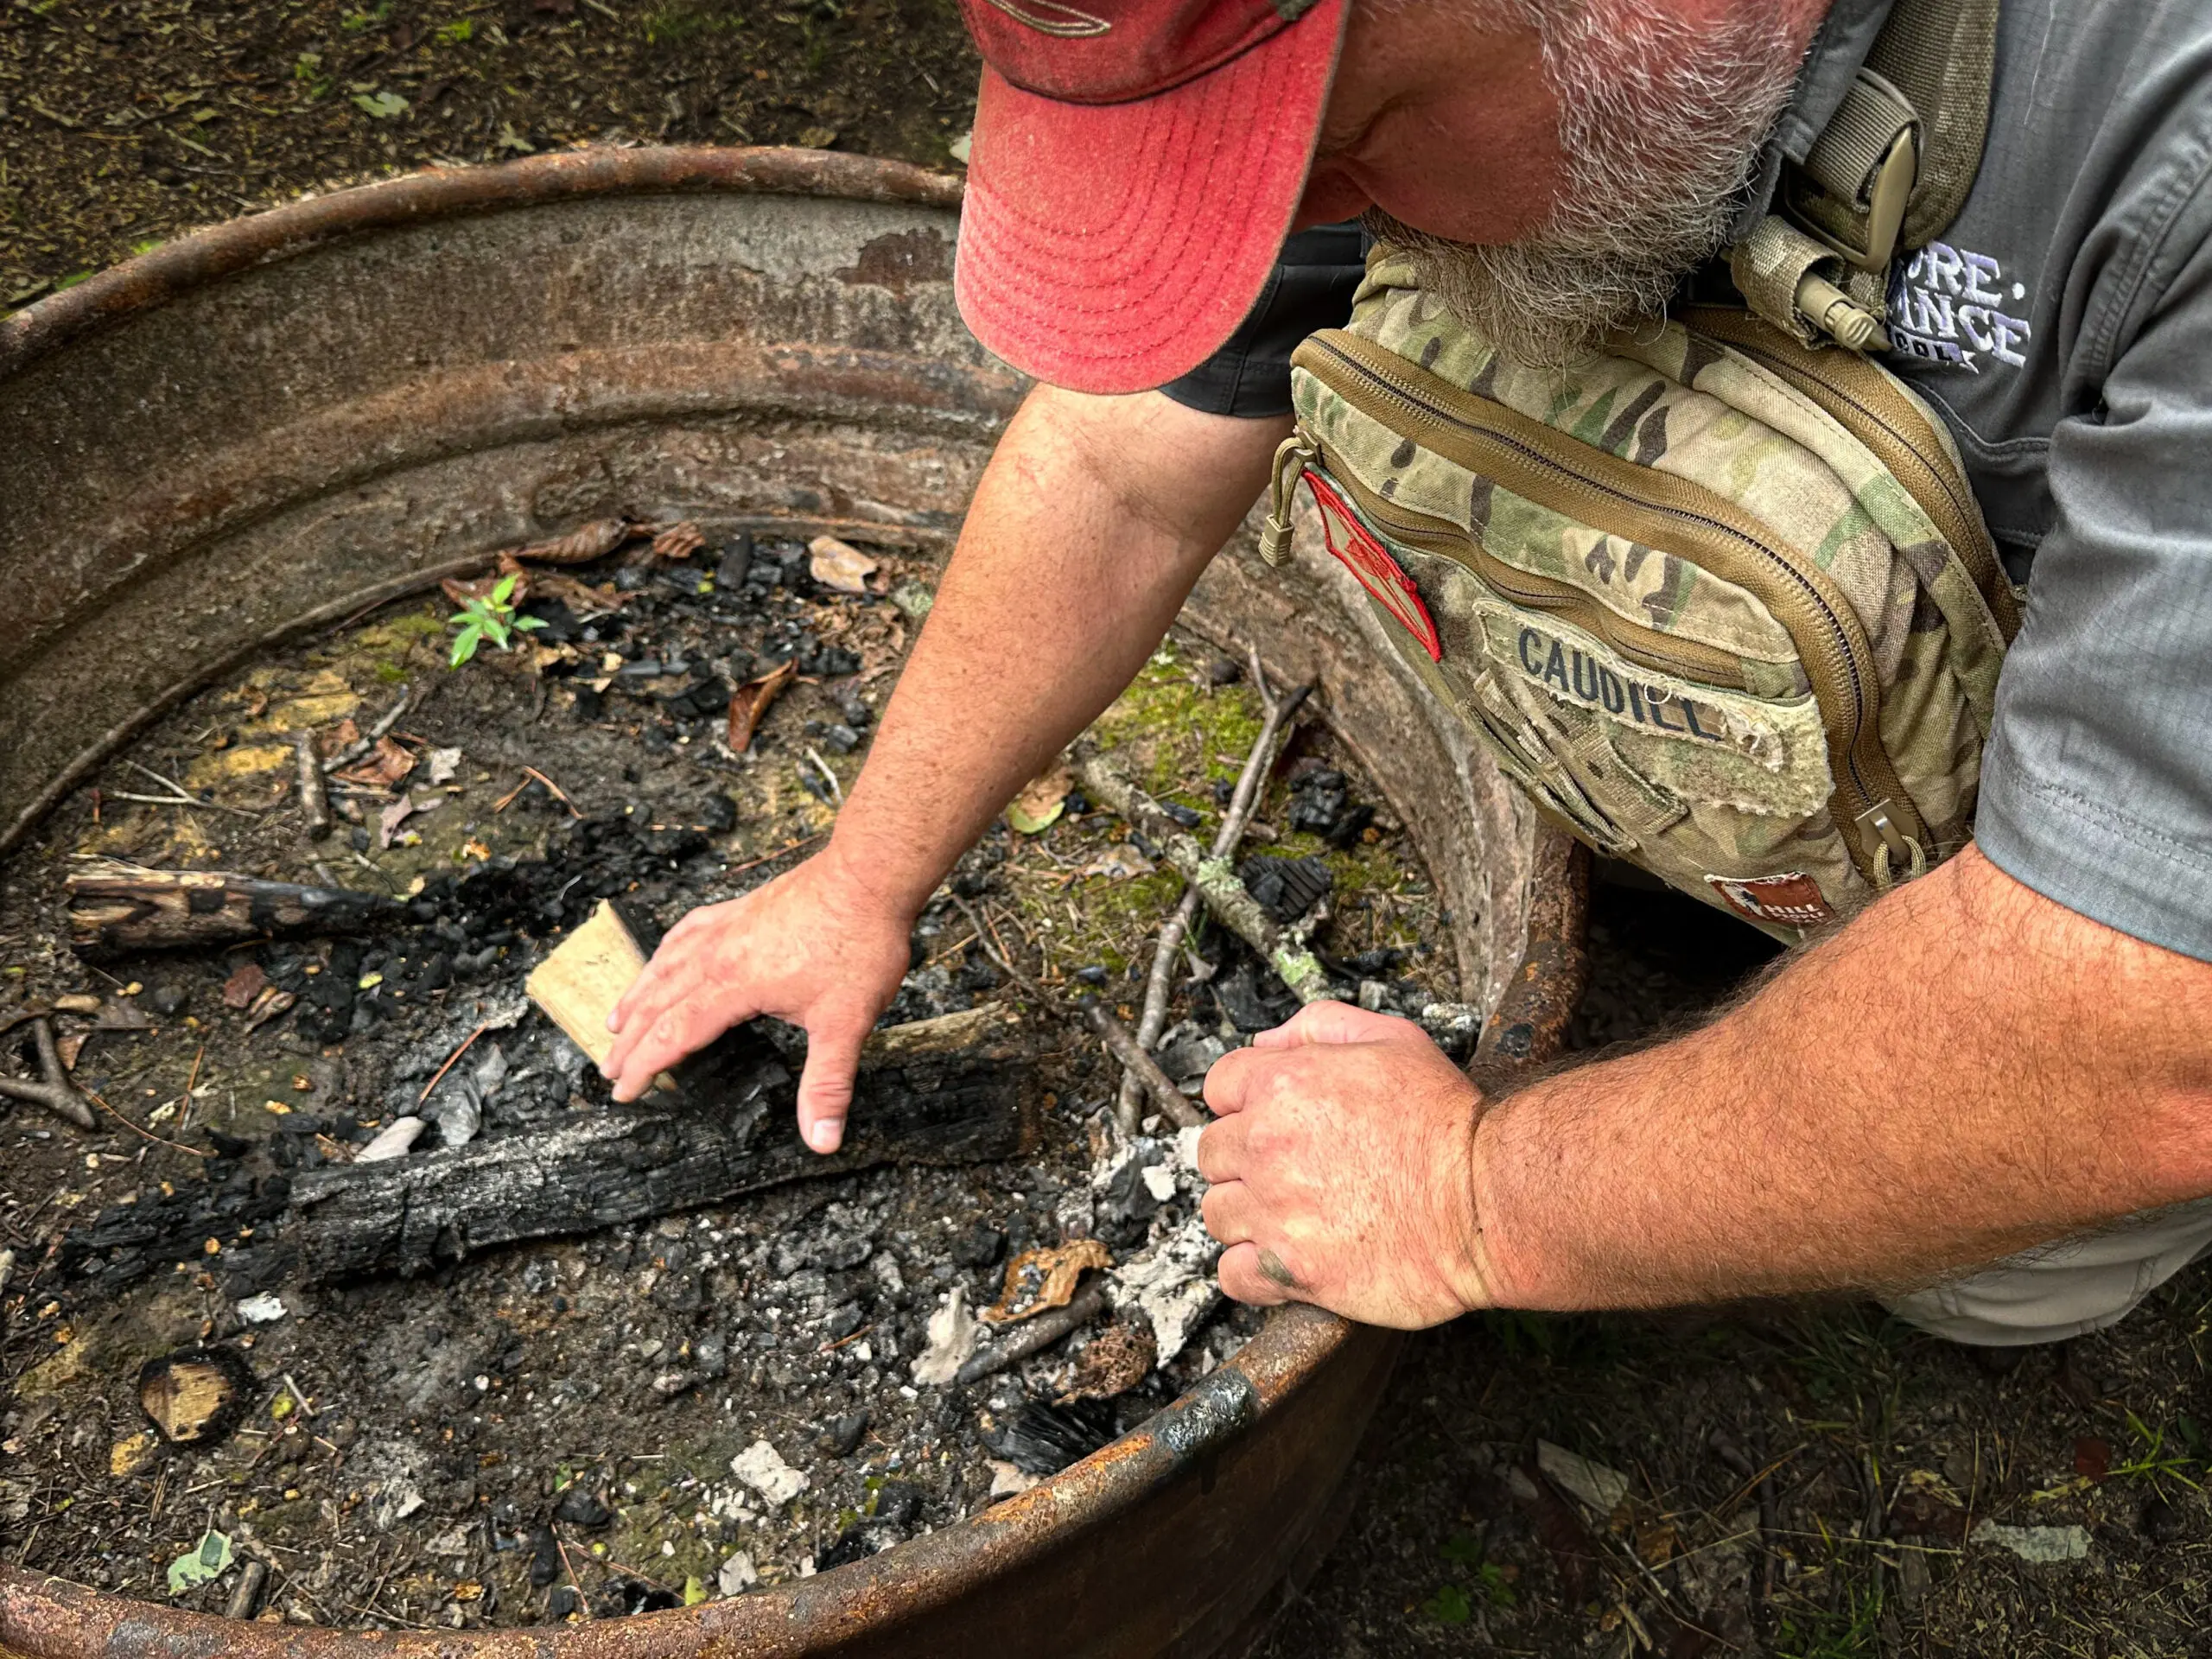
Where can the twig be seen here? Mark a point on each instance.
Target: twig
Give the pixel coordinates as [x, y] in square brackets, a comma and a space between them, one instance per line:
[1276, 715]
[158, 1141]
[54, 1090]
[1122, 1044]
[1034, 1336]
[1282, 949]
[315, 798]
[355, 750]
[559, 793]
[448, 1066]
[769, 858]
[574, 1583]
[837, 789]
[182, 800]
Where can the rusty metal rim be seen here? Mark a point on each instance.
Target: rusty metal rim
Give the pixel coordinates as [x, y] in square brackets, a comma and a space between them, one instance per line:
[207, 256]
[43, 1615]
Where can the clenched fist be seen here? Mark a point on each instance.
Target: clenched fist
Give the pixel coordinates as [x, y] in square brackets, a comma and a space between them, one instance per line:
[1342, 1171]
[813, 947]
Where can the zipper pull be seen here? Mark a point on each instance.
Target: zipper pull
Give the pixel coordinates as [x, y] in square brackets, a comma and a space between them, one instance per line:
[1292, 456]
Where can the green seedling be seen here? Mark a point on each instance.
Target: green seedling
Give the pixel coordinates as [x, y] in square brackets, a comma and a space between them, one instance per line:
[458, 32]
[493, 618]
[2155, 1462]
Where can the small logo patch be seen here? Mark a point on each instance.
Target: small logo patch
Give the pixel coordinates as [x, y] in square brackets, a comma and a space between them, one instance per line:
[1369, 560]
[1790, 900]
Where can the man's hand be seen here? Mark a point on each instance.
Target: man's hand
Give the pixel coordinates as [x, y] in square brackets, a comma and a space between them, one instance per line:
[813, 947]
[1342, 1170]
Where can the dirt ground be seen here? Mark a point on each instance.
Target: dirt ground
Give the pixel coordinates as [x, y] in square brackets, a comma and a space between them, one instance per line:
[1799, 1482]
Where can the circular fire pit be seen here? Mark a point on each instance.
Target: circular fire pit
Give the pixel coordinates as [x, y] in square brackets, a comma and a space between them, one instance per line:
[277, 424]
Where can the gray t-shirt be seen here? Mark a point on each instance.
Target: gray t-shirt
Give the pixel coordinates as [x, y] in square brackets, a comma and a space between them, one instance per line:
[2062, 326]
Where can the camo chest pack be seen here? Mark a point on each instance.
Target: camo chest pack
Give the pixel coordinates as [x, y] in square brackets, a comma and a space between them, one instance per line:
[1723, 604]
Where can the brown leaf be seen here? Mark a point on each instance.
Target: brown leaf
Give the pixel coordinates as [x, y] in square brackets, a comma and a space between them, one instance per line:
[70, 1048]
[245, 984]
[195, 1395]
[750, 702]
[1116, 1361]
[1042, 801]
[386, 765]
[339, 739]
[584, 600]
[266, 1007]
[1043, 1278]
[594, 541]
[462, 592]
[678, 541]
[840, 565]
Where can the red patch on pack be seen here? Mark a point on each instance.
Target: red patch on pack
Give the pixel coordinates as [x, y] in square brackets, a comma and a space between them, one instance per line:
[1791, 900]
[1369, 560]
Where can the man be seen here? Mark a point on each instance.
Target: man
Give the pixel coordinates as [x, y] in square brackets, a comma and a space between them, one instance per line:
[2014, 1048]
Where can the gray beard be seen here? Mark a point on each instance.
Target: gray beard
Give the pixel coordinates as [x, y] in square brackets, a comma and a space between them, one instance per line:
[1660, 129]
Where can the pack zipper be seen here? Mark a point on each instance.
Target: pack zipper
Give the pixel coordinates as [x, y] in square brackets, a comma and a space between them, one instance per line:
[1640, 504]
[1867, 403]
[1688, 659]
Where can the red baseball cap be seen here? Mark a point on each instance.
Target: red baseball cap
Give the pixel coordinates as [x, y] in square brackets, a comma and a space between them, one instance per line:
[1136, 167]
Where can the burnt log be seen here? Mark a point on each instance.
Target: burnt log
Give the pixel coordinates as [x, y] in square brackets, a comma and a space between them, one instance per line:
[114, 909]
[950, 1090]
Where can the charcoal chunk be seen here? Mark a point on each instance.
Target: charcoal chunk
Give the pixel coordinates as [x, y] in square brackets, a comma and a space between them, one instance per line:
[1285, 888]
[1042, 1438]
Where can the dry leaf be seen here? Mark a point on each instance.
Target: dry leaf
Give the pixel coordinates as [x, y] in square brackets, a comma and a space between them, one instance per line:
[195, 1395]
[1117, 1359]
[391, 817]
[246, 982]
[1040, 1279]
[339, 739]
[839, 565]
[385, 766]
[585, 601]
[266, 1007]
[749, 703]
[594, 541]
[678, 541]
[462, 592]
[70, 1048]
[1039, 806]
[1124, 860]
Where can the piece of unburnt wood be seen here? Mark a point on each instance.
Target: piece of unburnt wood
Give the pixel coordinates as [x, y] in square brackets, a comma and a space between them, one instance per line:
[115, 909]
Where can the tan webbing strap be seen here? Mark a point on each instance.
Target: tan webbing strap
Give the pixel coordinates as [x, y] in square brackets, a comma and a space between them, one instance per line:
[1890, 172]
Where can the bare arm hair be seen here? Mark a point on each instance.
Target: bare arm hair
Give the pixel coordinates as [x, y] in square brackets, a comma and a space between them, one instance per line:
[1964, 1071]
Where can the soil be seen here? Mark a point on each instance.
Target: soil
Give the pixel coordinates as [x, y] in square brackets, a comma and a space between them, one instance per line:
[125, 122]
[565, 1429]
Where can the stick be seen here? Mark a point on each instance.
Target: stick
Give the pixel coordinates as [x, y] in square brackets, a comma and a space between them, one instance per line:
[246, 1598]
[54, 1090]
[1122, 1043]
[159, 1140]
[115, 908]
[1034, 1336]
[315, 798]
[439, 1078]
[354, 750]
[1277, 713]
[1282, 950]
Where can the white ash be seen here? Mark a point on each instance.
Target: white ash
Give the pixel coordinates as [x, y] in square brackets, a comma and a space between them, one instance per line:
[952, 1335]
[762, 1467]
[1171, 1281]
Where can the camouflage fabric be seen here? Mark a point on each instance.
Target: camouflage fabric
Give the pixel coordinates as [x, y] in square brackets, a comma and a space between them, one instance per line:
[1747, 659]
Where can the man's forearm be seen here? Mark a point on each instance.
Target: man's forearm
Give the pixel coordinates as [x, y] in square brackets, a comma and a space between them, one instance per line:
[1092, 522]
[1964, 1070]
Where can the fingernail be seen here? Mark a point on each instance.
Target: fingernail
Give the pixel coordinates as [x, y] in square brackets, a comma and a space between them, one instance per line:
[613, 1020]
[826, 1134]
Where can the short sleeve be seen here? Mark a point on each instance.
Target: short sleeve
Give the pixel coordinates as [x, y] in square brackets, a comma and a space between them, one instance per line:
[1310, 288]
[2096, 788]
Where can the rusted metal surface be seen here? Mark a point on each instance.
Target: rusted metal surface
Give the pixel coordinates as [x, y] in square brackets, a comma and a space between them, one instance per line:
[274, 425]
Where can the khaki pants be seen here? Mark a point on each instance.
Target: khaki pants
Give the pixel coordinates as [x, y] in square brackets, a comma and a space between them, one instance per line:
[2063, 1290]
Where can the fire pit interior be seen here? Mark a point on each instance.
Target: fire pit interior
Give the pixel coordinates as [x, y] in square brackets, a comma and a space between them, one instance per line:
[222, 1398]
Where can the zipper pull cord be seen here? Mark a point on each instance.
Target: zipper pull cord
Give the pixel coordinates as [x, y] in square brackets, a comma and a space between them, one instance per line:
[1293, 455]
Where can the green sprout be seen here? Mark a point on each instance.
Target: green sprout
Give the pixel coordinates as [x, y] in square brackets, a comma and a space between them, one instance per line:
[458, 32]
[493, 618]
